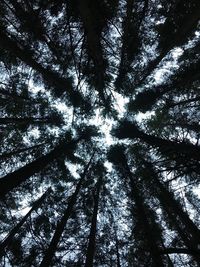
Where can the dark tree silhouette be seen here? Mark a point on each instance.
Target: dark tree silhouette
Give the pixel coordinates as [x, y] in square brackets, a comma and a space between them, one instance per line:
[118, 77]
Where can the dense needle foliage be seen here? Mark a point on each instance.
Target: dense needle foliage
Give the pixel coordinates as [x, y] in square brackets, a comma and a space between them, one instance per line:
[99, 127]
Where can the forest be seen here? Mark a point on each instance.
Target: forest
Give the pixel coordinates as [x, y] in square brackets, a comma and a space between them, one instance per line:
[100, 133]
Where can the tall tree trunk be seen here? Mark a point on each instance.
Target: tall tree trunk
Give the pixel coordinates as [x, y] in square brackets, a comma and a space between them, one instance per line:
[167, 147]
[12, 180]
[34, 26]
[117, 249]
[181, 102]
[8, 239]
[94, 36]
[193, 126]
[130, 44]
[28, 120]
[169, 200]
[92, 237]
[16, 97]
[190, 22]
[142, 216]
[60, 84]
[188, 231]
[4, 156]
[62, 223]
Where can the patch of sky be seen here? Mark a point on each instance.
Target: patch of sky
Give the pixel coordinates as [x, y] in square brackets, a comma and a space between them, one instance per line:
[73, 168]
[33, 133]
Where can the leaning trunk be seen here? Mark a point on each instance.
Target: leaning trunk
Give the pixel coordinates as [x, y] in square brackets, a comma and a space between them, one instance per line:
[61, 225]
[187, 230]
[16, 152]
[14, 179]
[8, 239]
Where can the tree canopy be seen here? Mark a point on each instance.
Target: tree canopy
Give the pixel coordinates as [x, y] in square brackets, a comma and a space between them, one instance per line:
[99, 127]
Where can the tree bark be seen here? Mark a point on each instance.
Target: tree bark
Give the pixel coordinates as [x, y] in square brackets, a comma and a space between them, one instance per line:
[14, 179]
[141, 210]
[8, 239]
[28, 120]
[93, 229]
[60, 84]
[180, 251]
[167, 147]
[61, 225]
[4, 156]
[188, 231]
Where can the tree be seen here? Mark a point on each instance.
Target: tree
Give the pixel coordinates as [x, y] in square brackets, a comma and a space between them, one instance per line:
[91, 240]
[120, 78]
[61, 225]
[8, 239]
[150, 242]
[15, 178]
[127, 129]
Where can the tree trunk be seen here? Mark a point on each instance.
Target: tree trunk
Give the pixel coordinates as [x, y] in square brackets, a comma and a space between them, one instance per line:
[182, 34]
[12, 180]
[92, 237]
[61, 225]
[141, 210]
[93, 35]
[167, 147]
[8, 239]
[129, 43]
[188, 231]
[169, 201]
[4, 156]
[117, 249]
[183, 102]
[15, 96]
[180, 251]
[60, 84]
[30, 120]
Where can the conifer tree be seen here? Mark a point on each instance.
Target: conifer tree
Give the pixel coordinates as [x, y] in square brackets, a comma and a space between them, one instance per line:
[120, 78]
